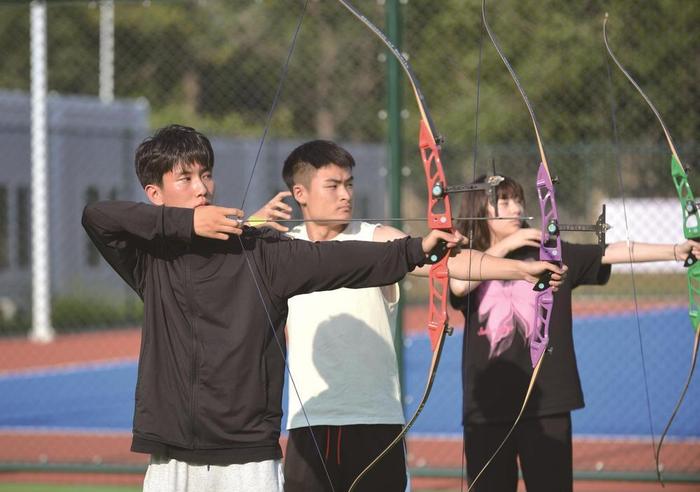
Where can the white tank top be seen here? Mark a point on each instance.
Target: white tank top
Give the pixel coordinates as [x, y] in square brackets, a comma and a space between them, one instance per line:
[341, 352]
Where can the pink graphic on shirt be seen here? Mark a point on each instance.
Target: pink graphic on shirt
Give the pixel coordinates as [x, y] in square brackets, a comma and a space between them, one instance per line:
[505, 308]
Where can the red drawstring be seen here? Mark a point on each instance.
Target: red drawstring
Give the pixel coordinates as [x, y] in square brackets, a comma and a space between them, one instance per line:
[340, 429]
[328, 443]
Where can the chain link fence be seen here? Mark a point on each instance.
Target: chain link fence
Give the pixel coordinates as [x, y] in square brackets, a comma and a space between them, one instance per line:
[216, 65]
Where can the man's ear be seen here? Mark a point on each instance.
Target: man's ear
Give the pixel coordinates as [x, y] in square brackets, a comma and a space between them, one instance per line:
[154, 194]
[299, 193]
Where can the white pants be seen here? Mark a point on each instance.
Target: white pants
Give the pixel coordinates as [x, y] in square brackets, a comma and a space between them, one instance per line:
[177, 476]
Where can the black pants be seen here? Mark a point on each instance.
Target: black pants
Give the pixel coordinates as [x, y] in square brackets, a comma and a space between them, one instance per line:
[543, 446]
[346, 451]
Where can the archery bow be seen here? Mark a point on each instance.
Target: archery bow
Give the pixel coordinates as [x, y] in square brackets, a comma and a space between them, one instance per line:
[550, 248]
[439, 217]
[691, 230]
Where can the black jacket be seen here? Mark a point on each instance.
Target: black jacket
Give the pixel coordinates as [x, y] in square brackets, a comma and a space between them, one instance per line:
[210, 375]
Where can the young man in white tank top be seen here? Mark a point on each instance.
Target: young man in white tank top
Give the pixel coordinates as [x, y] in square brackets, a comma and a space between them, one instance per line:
[341, 343]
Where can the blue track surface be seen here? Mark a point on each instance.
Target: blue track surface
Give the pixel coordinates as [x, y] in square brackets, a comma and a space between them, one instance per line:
[100, 397]
[610, 365]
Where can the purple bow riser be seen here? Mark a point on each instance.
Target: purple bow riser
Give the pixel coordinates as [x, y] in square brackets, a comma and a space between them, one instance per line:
[550, 250]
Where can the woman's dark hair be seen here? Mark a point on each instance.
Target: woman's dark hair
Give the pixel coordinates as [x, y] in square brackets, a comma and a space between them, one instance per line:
[474, 205]
[314, 155]
[171, 146]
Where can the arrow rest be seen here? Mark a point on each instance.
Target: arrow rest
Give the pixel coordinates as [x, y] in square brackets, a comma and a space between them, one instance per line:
[600, 228]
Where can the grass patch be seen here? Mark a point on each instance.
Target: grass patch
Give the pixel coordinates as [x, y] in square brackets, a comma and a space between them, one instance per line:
[74, 314]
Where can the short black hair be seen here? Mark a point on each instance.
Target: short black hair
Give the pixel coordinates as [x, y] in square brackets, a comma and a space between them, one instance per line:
[314, 155]
[171, 146]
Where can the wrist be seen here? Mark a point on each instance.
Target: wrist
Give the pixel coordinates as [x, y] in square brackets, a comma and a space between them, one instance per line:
[675, 256]
[522, 269]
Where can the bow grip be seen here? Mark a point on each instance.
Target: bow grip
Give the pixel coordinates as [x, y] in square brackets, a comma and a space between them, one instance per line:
[543, 282]
[437, 253]
[690, 260]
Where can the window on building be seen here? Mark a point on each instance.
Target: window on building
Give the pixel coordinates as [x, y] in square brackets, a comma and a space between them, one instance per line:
[23, 227]
[4, 229]
[93, 255]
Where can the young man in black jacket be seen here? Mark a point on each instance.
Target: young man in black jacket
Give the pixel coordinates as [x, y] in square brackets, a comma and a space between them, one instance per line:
[210, 377]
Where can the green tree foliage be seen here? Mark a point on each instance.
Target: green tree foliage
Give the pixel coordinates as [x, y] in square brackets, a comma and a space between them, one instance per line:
[14, 39]
[557, 50]
[216, 64]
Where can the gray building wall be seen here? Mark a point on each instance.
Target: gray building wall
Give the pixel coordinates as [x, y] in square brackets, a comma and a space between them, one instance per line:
[91, 149]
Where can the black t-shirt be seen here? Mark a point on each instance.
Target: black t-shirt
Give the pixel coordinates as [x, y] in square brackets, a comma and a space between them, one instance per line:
[496, 365]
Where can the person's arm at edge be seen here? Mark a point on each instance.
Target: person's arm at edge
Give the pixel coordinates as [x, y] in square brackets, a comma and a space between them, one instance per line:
[119, 228]
[297, 267]
[619, 252]
[472, 265]
[524, 237]
[152, 222]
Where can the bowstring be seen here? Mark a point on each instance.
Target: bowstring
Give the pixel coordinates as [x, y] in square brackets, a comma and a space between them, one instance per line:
[475, 155]
[249, 263]
[618, 168]
[275, 100]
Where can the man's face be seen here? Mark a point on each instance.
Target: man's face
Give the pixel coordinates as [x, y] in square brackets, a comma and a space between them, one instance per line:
[186, 186]
[328, 195]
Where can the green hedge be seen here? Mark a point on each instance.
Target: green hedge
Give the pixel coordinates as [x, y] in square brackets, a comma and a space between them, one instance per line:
[73, 314]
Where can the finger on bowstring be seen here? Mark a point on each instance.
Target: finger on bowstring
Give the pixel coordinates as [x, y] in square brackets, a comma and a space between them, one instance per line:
[230, 221]
[233, 213]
